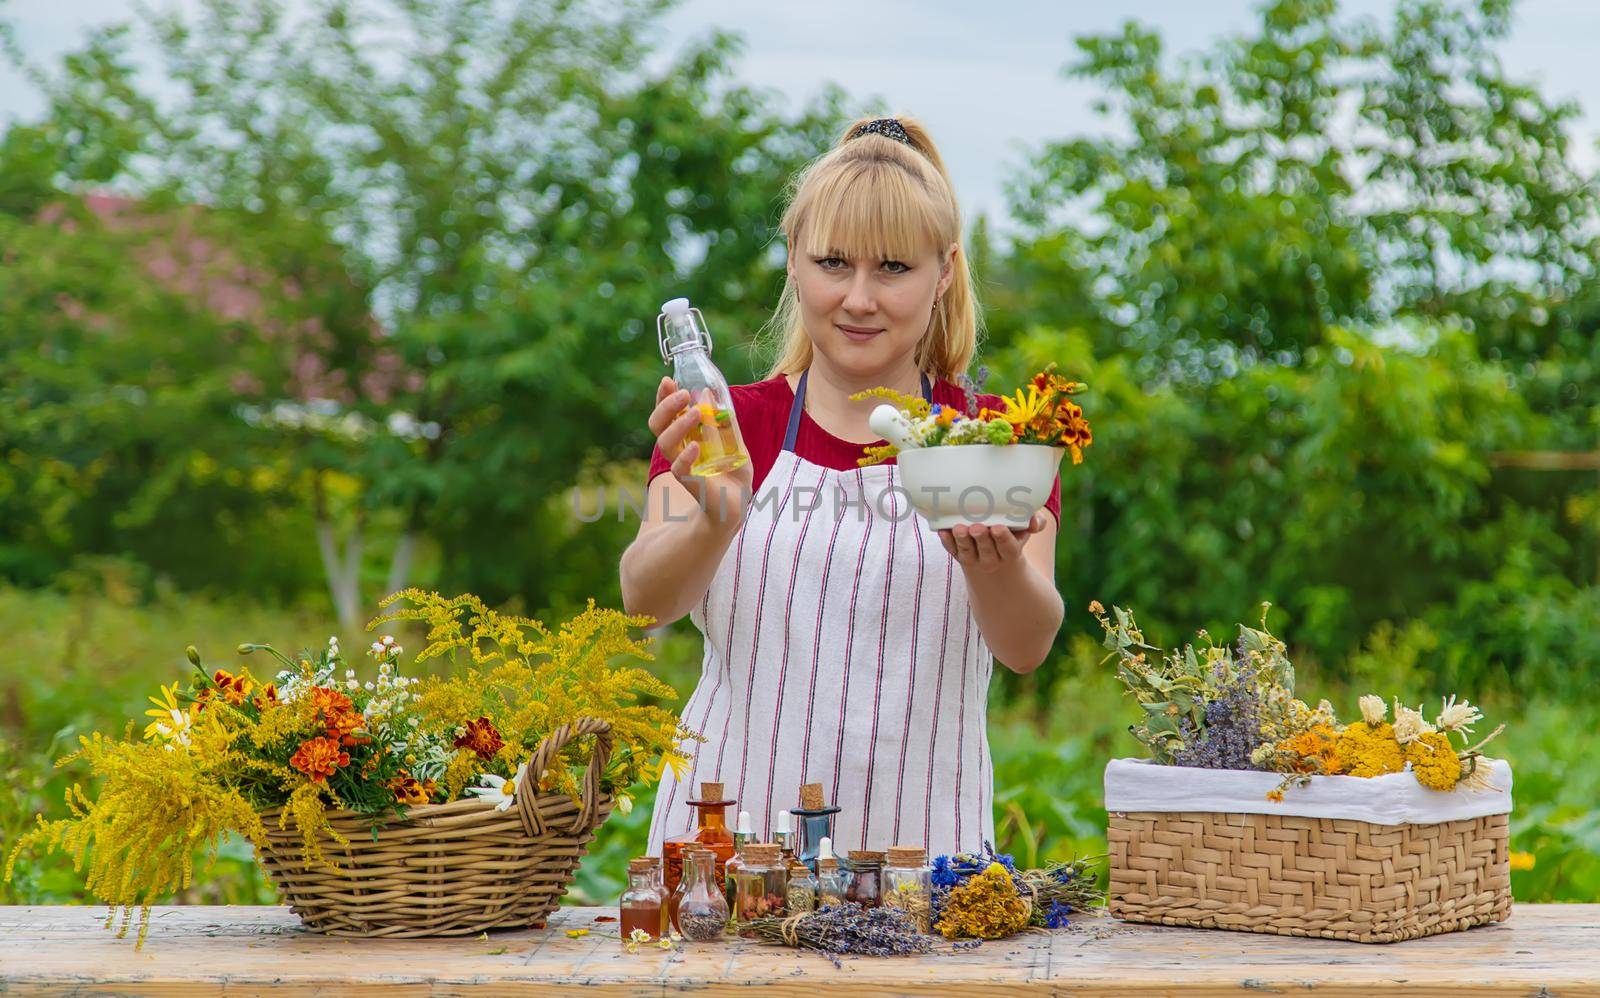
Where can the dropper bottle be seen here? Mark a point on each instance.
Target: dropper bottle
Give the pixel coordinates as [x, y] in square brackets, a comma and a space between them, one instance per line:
[743, 834]
[831, 881]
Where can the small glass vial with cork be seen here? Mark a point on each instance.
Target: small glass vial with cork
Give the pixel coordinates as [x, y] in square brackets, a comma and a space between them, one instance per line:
[762, 883]
[800, 894]
[641, 904]
[686, 345]
[865, 886]
[711, 831]
[702, 910]
[908, 885]
[832, 882]
[816, 823]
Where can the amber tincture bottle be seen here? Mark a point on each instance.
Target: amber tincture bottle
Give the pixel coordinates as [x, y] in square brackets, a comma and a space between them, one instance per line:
[711, 832]
[642, 905]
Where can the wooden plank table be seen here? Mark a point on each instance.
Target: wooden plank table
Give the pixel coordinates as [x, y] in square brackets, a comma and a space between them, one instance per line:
[1542, 950]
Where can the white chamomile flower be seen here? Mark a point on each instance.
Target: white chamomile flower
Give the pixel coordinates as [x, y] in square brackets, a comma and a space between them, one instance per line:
[498, 790]
[1373, 709]
[1458, 716]
[624, 805]
[1409, 725]
[352, 684]
[377, 648]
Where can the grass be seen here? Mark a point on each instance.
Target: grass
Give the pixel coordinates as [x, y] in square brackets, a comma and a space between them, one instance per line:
[85, 662]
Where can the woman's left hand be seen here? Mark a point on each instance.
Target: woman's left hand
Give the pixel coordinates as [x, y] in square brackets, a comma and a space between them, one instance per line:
[989, 549]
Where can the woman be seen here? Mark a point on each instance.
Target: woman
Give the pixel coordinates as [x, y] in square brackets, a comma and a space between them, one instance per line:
[846, 643]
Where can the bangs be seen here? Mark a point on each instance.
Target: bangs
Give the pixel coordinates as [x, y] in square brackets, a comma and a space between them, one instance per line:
[871, 209]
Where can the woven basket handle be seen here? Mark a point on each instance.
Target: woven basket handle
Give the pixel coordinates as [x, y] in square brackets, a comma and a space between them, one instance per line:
[545, 756]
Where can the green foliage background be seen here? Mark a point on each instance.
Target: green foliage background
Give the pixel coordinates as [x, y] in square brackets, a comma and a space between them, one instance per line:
[1321, 279]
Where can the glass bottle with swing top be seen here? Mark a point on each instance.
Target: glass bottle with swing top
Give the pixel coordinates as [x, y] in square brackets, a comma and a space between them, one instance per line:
[686, 344]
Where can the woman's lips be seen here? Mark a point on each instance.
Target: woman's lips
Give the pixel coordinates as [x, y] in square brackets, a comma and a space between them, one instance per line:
[858, 333]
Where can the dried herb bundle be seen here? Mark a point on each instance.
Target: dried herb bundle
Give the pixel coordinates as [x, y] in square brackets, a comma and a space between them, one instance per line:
[1060, 889]
[844, 929]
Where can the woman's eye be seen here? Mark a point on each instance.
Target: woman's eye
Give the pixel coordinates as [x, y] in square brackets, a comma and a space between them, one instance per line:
[895, 267]
[830, 263]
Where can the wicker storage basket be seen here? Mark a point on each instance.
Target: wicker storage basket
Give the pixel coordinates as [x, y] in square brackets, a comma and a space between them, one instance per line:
[449, 869]
[1336, 878]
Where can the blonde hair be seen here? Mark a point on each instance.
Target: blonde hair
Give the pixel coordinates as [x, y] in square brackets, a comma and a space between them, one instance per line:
[877, 197]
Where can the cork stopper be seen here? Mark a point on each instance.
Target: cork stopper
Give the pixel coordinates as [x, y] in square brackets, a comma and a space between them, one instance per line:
[811, 797]
[827, 863]
[762, 853]
[904, 856]
[643, 864]
[865, 856]
[710, 791]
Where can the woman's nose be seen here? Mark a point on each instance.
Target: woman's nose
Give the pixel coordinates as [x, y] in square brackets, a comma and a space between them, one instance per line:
[860, 298]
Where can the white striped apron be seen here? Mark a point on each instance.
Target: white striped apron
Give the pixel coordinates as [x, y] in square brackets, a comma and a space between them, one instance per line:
[840, 649]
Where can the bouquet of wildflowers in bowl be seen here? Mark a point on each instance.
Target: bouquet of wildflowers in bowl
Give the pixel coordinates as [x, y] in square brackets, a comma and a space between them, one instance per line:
[1259, 812]
[982, 466]
[397, 806]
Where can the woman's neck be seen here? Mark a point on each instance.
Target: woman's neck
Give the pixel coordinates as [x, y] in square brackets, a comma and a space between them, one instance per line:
[828, 392]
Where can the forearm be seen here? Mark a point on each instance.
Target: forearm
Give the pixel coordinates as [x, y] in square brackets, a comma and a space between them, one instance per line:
[666, 570]
[1018, 612]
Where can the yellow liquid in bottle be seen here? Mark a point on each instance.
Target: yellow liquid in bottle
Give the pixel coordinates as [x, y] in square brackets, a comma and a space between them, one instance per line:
[719, 442]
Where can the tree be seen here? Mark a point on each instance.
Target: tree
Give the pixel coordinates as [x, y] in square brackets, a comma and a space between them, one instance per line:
[510, 193]
[1319, 172]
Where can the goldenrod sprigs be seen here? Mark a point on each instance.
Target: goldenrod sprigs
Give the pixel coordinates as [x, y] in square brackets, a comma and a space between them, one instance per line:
[225, 747]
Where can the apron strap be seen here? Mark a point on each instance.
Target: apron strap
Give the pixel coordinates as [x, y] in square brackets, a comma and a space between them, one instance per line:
[799, 405]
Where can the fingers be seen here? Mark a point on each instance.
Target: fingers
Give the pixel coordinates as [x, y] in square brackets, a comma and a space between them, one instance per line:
[669, 407]
[982, 548]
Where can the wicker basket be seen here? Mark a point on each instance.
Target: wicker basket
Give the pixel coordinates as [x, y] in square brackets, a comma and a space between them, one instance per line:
[1297, 876]
[449, 869]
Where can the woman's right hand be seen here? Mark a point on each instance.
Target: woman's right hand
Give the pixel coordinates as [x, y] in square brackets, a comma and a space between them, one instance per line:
[721, 496]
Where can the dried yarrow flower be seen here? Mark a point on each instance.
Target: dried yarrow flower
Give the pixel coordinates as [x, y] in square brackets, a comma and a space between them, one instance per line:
[987, 906]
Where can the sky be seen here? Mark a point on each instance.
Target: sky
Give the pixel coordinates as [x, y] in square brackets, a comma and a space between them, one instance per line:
[985, 78]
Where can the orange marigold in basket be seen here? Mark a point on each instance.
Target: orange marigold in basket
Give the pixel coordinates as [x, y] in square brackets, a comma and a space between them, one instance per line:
[319, 758]
[481, 738]
[1315, 750]
[407, 789]
[234, 689]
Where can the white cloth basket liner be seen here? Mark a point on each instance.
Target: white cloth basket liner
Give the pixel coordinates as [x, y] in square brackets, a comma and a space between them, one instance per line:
[1396, 799]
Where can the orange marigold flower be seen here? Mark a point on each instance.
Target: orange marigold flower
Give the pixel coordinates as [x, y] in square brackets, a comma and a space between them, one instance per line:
[234, 689]
[318, 758]
[1315, 750]
[268, 697]
[481, 738]
[407, 789]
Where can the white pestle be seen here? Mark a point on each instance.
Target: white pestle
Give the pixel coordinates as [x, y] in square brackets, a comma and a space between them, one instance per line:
[892, 425]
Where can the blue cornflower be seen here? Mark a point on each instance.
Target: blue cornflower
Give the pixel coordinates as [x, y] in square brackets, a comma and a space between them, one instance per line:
[944, 873]
[1056, 917]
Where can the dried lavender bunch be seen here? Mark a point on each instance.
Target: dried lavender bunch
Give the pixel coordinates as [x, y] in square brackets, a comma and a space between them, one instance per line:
[845, 929]
[1232, 729]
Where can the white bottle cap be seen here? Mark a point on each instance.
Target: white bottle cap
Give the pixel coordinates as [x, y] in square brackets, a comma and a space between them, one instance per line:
[744, 827]
[785, 823]
[676, 308]
[825, 849]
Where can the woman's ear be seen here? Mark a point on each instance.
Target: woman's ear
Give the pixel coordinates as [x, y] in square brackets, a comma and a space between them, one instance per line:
[947, 268]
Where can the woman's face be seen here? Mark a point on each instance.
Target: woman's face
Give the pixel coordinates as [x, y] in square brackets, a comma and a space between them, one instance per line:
[867, 315]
